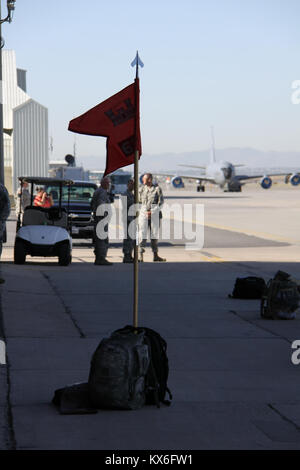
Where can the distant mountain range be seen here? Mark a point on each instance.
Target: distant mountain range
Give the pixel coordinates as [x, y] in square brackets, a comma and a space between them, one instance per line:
[249, 157]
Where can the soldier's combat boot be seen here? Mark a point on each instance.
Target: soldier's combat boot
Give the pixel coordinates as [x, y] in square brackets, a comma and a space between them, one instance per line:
[102, 262]
[158, 258]
[128, 258]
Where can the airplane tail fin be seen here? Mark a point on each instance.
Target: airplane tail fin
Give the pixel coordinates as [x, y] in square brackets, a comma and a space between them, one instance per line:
[212, 152]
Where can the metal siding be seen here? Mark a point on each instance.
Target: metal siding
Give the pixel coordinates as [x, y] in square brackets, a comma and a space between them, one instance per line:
[21, 79]
[30, 141]
[26, 152]
[12, 95]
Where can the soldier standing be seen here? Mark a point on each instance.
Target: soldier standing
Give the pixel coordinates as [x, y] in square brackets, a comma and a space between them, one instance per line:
[23, 197]
[151, 200]
[4, 213]
[100, 197]
[128, 241]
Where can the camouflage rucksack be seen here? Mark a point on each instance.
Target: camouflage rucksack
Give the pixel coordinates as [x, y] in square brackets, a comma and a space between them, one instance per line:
[280, 299]
[156, 379]
[118, 369]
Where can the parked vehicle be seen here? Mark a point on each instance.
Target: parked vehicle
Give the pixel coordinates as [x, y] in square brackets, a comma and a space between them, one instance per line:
[44, 231]
[77, 200]
[119, 180]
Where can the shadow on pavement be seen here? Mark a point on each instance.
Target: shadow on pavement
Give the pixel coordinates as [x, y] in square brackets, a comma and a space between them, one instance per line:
[231, 374]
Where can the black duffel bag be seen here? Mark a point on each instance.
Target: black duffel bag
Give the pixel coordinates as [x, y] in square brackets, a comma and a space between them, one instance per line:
[248, 288]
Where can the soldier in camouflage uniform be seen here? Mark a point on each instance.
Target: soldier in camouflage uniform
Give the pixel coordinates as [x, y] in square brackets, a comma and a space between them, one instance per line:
[151, 200]
[4, 213]
[128, 241]
[23, 198]
[100, 197]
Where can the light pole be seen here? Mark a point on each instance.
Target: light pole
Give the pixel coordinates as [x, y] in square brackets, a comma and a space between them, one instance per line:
[8, 18]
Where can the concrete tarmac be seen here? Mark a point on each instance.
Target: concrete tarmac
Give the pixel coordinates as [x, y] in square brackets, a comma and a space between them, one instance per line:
[233, 383]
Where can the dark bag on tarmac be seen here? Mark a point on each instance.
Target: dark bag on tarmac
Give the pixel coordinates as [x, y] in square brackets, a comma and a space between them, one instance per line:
[128, 369]
[73, 399]
[248, 288]
[118, 369]
[156, 383]
[280, 299]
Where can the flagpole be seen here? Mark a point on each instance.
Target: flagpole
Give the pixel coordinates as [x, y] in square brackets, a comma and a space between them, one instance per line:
[136, 245]
[136, 62]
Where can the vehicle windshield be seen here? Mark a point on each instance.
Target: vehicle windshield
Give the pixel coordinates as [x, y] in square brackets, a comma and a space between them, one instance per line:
[120, 179]
[77, 193]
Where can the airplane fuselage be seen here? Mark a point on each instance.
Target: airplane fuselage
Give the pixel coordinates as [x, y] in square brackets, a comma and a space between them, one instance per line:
[222, 172]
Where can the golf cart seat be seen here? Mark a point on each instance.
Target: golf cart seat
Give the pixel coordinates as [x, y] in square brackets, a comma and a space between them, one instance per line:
[34, 216]
[40, 216]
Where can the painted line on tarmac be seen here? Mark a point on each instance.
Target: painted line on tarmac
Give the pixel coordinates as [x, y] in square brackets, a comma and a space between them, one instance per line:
[212, 258]
[254, 233]
[264, 235]
[207, 257]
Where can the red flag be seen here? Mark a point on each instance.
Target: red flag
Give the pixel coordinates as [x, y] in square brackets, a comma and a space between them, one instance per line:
[118, 119]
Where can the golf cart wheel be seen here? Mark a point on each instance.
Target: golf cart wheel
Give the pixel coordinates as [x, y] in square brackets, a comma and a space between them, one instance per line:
[64, 255]
[19, 252]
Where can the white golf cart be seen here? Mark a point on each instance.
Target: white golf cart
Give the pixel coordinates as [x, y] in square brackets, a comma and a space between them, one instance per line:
[43, 231]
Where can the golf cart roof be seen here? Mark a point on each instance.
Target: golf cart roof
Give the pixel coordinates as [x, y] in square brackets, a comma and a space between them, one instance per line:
[43, 180]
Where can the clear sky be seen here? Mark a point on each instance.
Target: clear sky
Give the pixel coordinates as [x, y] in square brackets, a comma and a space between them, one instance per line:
[229, 63]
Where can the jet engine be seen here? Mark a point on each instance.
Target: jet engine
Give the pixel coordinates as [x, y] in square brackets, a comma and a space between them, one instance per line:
[266, 182]
[295, 179]
[177, 182]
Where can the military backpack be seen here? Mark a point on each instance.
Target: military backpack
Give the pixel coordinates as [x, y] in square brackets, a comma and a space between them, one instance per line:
[130, 369]
[156, 380]
[118, 369]
[280, 299]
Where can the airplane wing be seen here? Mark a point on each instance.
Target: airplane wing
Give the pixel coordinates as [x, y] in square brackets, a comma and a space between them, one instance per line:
[203, 167]
[198, 177]
[190, 177]
[241, 178]
[194, 166]
[255, 177]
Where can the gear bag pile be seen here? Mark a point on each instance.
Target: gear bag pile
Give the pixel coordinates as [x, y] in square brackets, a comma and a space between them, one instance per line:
[128, 370]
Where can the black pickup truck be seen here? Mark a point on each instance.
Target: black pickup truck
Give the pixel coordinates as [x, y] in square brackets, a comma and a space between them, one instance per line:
[79, 207]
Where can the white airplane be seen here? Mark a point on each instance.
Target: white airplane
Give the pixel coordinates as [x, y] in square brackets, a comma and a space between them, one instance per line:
[222, 173]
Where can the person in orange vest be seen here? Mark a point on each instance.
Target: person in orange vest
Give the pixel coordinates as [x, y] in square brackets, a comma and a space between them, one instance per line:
[42, 199]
